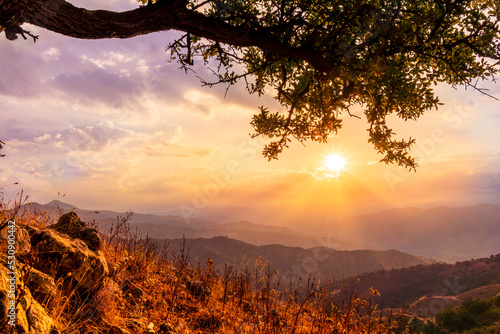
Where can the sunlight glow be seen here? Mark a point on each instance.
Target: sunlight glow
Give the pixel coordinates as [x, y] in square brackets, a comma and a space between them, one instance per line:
[335, 162]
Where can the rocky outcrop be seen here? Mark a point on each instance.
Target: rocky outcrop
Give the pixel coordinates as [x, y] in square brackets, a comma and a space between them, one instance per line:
[30, 316]
[22, 240]
[67, 252]
[41, 285]
[70, 224]
[70, 259]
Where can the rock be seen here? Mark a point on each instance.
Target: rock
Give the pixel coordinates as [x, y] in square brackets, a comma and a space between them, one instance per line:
[70, 221]
[198, 289]
[41, 285]
[21, 238]
[30, 316]
[72, 259]
[70, 224]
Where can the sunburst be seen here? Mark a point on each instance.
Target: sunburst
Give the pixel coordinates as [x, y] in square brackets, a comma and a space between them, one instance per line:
[335, 162]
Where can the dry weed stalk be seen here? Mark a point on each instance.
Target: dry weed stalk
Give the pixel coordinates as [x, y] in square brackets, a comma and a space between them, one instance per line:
[164, 289]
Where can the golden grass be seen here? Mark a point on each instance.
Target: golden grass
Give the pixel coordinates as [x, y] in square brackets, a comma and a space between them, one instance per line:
[163, 290]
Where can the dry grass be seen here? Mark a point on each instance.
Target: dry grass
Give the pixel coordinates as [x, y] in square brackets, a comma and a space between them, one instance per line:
[151, 284]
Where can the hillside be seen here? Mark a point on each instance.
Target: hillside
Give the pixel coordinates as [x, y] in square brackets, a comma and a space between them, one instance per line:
[399, 287]
[320, 262]
[430, 305]
[471, 316]
[70, 279]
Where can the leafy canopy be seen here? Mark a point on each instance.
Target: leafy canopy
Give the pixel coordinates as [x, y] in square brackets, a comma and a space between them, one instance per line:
[319, 57]
[328, 56]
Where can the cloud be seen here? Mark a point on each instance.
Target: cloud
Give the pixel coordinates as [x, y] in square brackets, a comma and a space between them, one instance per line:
[108, 59]
[51, 53]
[21, 71]
[87, 138]
[96, 85]
[201, 102]
[106, 135]
[11, 128]
[35, 169]
[5, 174]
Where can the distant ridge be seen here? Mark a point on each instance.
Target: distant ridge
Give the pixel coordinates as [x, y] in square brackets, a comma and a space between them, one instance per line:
[448, 234]
[318, 262]
[171, 226]
[59, 204]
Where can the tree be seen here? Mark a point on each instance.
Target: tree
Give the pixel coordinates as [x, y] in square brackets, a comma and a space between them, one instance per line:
[320, 57]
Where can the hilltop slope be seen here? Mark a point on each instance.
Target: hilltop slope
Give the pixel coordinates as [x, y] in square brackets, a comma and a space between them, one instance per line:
[71, 279]
[403, 286]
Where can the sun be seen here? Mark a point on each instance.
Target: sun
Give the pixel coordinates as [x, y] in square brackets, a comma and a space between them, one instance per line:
[335, 162]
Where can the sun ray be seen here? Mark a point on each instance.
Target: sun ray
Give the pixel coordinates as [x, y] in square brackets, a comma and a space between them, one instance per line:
[335, 162]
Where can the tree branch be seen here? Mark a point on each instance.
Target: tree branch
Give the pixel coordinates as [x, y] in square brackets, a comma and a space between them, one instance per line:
[64, 18]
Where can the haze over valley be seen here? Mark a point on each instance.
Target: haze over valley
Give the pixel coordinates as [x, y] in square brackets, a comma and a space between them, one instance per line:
[442, 234]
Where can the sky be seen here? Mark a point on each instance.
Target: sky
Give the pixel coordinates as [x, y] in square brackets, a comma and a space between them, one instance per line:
[112, 124]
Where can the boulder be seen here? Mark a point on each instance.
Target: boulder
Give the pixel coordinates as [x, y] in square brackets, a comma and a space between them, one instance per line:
[62, 257]
[30, 317]
[41, 285]
[70, 224]
[21, 238]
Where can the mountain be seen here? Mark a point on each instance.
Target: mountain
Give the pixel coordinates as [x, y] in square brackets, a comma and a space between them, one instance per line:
[293, 262]
[442, 233]
[172, 227]
[76, 281]
[399, 287]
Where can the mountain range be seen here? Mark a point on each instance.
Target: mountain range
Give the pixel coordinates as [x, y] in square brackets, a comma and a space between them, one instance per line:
[172, 227]
[320, 263]
[442, 233]
[385, 242]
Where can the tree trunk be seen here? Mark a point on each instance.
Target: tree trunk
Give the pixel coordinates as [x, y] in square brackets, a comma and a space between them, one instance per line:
[64, 18]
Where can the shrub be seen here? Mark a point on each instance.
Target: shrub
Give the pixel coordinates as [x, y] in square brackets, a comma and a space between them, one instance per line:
[456, 319]
[477, 306]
